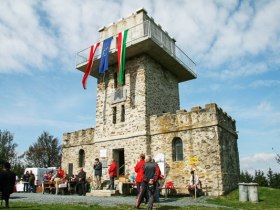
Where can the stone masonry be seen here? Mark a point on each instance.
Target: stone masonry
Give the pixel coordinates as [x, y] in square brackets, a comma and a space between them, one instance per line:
[148, 119]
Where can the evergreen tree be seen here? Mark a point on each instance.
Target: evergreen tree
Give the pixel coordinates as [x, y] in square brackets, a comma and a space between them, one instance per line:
[277, 158]
[260, 178]
[245, 177]
[270, 177]
[273, 179]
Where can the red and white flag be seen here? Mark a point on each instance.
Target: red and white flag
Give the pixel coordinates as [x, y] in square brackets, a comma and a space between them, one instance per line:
[89, 65]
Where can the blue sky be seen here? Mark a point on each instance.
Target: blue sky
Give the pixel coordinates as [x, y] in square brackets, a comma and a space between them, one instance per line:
[235, 44]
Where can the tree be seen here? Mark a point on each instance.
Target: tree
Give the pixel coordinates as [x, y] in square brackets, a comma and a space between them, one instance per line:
[46, 152]
[8, 152]
[7, 147]
[245, 177]
[273, 179]
[277, 158]
[260, 178]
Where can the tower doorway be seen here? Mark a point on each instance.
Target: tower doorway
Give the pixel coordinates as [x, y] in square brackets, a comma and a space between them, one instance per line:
[118, 155]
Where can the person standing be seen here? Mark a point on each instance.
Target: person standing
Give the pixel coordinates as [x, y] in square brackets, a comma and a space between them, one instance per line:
[7, 183]
[158, 174]
[25, 178]
[113, 173]
[31, 182]
[97, 173]
[149, 183]
[81, 185]
[139, 169]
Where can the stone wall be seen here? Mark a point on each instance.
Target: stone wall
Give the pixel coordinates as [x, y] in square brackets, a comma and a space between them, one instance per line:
[162, 92]
[203, 137]
[72, 144]
[208, 134]
[134, 103]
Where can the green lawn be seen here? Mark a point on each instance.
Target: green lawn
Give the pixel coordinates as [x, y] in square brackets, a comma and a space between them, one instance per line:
[269, 198]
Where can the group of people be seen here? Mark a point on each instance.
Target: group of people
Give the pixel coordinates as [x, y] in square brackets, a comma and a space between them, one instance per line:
[51, 175]
[148, 174]
[7, 183]
[76, 182]
[28, 182]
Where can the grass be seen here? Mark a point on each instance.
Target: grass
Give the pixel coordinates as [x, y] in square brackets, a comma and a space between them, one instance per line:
[269, 198]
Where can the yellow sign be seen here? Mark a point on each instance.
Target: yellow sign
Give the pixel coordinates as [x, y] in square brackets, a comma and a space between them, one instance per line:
[193, 160]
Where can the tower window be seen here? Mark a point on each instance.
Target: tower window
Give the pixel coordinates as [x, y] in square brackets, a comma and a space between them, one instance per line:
[177, 149]
[114, 115]
[81, 158]
[122, 114]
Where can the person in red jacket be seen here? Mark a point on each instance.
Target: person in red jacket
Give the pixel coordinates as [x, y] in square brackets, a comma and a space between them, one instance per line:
[113, 173]
[60, 172]
[139, 169]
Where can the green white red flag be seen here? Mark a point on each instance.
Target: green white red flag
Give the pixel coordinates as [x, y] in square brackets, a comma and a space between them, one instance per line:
[89, 65]
[122, 36]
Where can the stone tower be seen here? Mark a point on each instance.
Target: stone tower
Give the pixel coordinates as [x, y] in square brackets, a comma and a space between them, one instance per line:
[143, 115]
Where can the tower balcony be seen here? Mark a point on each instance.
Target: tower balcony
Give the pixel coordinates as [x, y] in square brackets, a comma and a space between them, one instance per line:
[145, 38]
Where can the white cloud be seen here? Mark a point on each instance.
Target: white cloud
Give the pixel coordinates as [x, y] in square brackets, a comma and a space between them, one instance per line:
[264, 83]
[259, 161]
[37, 34]
[265, 112]
[24, 42]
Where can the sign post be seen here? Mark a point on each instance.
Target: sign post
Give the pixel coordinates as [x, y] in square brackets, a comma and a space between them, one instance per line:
[160, 160]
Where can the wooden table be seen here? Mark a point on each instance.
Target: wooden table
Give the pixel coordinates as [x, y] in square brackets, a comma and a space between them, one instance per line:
[125, 187]
[51, 186]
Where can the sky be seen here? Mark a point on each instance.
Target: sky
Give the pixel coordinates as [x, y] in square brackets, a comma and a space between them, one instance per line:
[235, 45]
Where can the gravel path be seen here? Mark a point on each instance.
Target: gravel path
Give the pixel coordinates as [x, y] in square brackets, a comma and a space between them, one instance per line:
[104, 201]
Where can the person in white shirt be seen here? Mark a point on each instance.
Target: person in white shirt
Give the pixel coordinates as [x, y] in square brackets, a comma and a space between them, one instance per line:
[194, 184]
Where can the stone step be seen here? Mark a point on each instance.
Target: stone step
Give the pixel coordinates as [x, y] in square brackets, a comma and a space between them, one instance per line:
[102, 193]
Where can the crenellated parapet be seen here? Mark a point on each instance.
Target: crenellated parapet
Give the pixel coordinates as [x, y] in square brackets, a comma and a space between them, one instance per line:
[198, 117]
[80, 137]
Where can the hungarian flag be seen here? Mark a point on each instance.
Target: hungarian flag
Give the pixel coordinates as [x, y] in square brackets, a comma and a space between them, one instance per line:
[103, 66]
[121, 55]
[89, 65]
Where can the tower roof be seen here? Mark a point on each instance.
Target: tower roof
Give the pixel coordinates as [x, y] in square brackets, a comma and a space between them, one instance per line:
[144, 37]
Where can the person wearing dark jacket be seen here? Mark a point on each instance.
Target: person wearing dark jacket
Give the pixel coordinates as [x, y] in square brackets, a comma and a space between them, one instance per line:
[25, 178]
[81, 185]
[97, 173]
[149, 183]
[7, 183]
[31, 182]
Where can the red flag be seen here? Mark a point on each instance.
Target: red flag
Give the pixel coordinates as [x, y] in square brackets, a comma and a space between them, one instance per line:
[89, 65]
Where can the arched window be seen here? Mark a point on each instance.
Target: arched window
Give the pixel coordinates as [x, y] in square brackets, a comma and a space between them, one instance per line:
[81, 158]
[177, 149]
